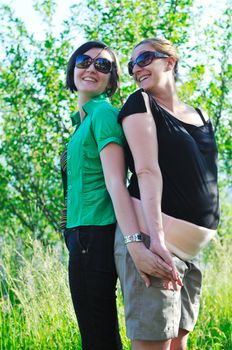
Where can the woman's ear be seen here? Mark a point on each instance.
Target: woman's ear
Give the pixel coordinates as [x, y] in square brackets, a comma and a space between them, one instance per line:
[171, 61]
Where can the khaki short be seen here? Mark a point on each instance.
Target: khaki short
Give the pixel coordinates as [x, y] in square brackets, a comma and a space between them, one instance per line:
[156, 313]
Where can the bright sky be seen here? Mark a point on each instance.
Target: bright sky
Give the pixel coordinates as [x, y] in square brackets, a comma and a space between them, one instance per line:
[25, 11]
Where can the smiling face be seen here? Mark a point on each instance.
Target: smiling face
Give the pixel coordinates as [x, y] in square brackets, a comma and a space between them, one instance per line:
[152, 76]
[89, 82]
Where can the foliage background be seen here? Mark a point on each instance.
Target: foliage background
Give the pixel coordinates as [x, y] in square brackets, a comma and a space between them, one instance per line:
[35, 105]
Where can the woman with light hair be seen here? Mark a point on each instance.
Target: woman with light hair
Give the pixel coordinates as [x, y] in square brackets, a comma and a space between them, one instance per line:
[172, 155]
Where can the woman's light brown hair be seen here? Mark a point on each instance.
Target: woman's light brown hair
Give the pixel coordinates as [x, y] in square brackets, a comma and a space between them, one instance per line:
[164, 46]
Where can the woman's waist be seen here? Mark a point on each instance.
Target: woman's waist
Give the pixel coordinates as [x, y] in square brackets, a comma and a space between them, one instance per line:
[199, 208]
[183, 238]
[91, 228]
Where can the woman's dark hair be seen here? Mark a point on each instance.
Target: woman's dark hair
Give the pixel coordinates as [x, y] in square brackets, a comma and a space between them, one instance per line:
[114, 75]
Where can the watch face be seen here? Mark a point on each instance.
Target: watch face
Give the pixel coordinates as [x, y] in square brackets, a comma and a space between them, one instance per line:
[136, 237]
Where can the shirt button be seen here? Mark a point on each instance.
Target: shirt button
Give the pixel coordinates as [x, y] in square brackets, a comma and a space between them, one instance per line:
[69, 187]
[69, 157]
[69, 172]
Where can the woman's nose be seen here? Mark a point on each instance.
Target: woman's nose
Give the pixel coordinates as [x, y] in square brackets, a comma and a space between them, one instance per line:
[91, 68]
[136, 68]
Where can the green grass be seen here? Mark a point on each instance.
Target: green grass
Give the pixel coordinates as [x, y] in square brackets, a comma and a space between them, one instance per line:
[36, 311]
[214, 326]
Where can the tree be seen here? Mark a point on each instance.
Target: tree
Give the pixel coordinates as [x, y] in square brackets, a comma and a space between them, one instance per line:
[36, 105]
[34, 108]
[209, 82]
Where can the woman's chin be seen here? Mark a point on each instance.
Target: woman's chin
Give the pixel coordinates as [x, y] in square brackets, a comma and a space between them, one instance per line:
[146, 85]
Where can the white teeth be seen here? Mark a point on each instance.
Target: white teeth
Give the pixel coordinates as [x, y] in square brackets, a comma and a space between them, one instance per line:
[143, 78]
[89, 79]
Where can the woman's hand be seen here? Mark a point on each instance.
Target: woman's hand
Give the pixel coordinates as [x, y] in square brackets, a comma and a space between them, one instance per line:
[161, 250]
[149, 264]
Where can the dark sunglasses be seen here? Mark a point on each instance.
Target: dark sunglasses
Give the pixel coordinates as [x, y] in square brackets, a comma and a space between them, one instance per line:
[100, 64]
[145, 59]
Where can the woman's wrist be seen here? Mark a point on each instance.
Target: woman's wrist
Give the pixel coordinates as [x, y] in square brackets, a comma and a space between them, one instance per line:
[157, 236]
[135, 248]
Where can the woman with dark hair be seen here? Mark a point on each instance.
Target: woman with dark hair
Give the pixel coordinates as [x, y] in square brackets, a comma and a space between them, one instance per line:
[93, 169]
[172, 155]
[88, 219]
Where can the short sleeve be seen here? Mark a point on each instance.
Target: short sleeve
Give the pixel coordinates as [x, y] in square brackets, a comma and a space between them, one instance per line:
[134, 104]
[105, 126]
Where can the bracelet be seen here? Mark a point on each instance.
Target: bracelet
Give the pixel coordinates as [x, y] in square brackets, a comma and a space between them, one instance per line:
[136, 237]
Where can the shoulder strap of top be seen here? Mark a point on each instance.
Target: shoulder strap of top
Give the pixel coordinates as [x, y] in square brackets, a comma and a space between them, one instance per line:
[201, 115]
[153, 103]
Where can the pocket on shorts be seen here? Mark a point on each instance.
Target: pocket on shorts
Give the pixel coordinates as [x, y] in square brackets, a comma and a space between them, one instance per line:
[181, 266]
[119, 245]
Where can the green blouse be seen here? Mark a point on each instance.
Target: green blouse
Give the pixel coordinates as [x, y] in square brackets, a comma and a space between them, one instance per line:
[88, 201]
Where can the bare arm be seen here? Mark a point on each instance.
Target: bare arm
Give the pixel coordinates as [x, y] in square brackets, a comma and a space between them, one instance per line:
[147, 263]
[141, 135]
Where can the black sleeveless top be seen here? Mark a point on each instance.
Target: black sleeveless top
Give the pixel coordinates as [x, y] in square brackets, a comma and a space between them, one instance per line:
[187, 156]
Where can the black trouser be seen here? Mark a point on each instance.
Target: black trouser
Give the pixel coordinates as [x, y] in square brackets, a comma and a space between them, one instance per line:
[92, 280]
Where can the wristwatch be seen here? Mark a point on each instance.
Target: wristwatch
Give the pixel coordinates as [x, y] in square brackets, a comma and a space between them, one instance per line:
[136, 237]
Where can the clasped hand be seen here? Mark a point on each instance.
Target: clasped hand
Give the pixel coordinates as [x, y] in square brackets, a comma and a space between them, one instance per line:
[155, 261]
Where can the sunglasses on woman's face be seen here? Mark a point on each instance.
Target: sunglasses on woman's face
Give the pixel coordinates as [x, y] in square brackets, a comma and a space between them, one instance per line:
[101, 64]
[144, 59]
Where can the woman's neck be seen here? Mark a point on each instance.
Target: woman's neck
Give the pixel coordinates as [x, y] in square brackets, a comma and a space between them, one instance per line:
[82, 99]
[168, 99]
[165, 93]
